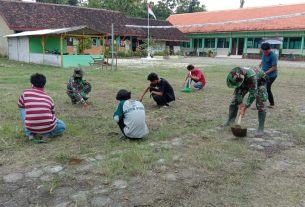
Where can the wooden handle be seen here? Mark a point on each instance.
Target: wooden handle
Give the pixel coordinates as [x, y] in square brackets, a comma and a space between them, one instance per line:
[239, 119]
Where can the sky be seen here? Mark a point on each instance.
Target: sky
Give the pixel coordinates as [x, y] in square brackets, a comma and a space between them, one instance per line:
[212, 5]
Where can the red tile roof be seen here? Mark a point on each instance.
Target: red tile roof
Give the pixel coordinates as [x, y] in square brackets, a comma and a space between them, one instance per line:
[25, 16]
[291, 23]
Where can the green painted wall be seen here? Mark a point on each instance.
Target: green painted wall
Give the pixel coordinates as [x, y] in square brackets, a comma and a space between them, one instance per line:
[35, 45]
[75, 60]
[52, 43]
[250, 34]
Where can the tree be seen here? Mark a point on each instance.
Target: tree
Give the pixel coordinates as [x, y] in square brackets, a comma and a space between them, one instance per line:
[162, 11]
[190, 6]
[242, 2]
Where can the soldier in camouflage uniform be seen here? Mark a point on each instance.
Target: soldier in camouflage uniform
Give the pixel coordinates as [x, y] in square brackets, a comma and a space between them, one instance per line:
[78, 89]
[252, 81]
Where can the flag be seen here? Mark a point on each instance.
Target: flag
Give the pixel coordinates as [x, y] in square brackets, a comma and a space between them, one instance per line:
[150, 11]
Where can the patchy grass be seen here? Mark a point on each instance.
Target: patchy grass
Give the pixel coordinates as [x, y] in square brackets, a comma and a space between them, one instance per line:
[191, 118]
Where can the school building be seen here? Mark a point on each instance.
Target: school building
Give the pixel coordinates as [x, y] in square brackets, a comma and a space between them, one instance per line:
[240, 32]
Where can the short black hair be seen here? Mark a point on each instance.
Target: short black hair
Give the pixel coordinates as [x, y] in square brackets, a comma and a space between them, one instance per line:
[265, 46]
[190, 67]
[123, 95]
[38, 80]
[152, 77]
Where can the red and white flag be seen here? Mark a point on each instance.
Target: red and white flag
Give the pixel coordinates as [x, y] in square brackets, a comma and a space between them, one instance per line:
[150, 11]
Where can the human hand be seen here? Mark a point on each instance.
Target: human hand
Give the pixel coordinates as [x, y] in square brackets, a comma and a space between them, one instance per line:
[242, 109]
[85, 106]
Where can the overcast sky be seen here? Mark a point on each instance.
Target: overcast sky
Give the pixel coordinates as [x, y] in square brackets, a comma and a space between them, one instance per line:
[212, 5]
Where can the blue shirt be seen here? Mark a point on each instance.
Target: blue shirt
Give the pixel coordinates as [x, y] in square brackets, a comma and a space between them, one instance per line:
[268, 61]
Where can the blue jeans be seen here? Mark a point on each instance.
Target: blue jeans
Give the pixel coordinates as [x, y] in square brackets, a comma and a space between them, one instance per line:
[59, 129]
[198, 85]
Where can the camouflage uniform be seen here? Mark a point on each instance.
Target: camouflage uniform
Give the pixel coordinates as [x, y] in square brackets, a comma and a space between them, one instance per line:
[254, 83]
[77, 88]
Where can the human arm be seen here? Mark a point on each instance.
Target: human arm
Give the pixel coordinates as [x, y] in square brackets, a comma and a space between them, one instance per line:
[145, 91]
[158, 93]
[119, 114]
[270, 70]
[20, 102]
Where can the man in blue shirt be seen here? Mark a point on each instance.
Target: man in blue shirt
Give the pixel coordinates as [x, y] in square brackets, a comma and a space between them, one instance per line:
[269, 66]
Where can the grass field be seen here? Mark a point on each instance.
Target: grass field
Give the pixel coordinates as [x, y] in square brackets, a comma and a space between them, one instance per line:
[213, 168]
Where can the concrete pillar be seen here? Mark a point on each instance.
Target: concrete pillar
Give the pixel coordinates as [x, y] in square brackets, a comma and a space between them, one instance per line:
[302, 45]
[230, 46]
[245, 45]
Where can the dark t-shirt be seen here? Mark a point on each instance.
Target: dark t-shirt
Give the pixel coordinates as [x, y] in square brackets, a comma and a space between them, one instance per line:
[268, 61]
[164, 87]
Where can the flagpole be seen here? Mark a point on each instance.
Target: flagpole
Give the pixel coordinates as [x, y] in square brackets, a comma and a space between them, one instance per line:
[148, 55]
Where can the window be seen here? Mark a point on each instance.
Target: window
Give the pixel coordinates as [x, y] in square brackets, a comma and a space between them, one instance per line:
[209, 43]
[292, 43]
[223, 42]
[295, 42]
[69, 41]
[94, 41]
[285, 43]
[257, 42]
[250, 43]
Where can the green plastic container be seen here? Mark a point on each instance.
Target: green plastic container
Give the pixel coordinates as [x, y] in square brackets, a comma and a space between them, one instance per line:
[186, 90]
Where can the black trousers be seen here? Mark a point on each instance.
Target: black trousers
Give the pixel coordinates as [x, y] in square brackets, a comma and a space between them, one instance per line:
[270, 95]
[160, 100]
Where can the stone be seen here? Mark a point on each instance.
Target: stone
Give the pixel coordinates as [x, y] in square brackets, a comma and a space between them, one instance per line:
[266, 144]
[80, 198]
[170, 177]
[13, 177]
[286, 145]
[257, 139]
[64, 204]
[63, 192]
[84, 168]
[120, 184]
[34, 173]
[256, 147]
[46, 178]
[5, 197]
[53, 169]
[100, 201]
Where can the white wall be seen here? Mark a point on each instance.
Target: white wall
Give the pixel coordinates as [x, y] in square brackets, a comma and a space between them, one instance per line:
[4, 30]
[13, 49]
[19, 49]
[23, 49]
[291, 51]
[253, 50]
[222, 51]
[51, 59]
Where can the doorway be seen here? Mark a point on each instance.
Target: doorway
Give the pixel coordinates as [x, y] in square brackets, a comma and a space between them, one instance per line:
[237, 46]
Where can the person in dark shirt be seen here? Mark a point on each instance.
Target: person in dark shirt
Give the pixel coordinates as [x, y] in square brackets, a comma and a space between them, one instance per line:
[160, 89]
[269, 66]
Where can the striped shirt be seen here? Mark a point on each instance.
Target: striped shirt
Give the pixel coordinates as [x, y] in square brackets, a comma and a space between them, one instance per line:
[39, 110]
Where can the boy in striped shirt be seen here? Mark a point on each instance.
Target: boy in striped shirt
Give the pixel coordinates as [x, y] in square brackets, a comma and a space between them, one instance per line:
[37, 111]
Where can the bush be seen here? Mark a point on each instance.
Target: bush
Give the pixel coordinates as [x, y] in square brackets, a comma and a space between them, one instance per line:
[84, 43]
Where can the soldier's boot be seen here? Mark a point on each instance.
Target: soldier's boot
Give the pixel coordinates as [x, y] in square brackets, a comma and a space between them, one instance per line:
[261, 124]
[232, 115]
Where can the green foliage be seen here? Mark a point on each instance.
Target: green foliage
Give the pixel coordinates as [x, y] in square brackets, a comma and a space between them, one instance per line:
[190, 6]
[53, 184]
[84, 43]
[162, 11]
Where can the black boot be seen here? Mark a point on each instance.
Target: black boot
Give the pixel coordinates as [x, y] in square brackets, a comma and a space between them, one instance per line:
[261, 124]
[233, 109]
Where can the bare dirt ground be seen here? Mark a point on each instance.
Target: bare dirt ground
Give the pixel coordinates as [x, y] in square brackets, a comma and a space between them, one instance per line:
[187, 160]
